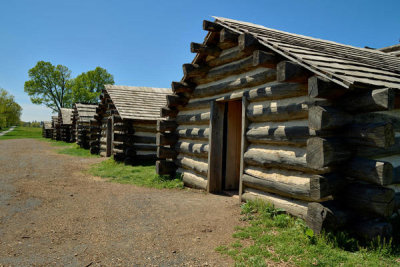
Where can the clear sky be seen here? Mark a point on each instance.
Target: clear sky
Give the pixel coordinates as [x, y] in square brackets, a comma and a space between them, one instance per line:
[145, 43]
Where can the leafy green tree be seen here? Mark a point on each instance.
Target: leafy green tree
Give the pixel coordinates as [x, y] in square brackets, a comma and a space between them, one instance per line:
[87, 87]
[10, 111]
[49, 85]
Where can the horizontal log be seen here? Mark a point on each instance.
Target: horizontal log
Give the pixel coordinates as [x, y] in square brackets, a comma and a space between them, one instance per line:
[143, 139]
[130, 152]
[279, 110]
[168, 112]
[288, 71]
[274, 90]
[118, 151]
[148, 128]
[257, 59]
[289, 133]
[373, 134]
[176, 100]
[367, 199]
[323, 152]
[291, 183]
[292, 158]
[231, 83]
[368, 101]
[194, 70]
[193, 132]
[372, 171]
[248, 42]
[366, 151]
[166, 125]
[198, 165]
[182, 88]
[166, 139]
[166, 153]
[199, 149]
[205, 49]
[326, 216]
[228, 36]
[326, 118]
[194, 118]
[229, 55]
[145, 147]
[296, 208]
[164, 167]
[211, 26]
[193, 180]
[324, 88]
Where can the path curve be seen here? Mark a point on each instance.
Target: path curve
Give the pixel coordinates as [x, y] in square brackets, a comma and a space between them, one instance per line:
[9, 130]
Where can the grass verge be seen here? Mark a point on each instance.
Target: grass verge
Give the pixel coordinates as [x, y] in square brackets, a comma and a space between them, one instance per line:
[142, 175]
[75, 150]
[23, 132]
[274, 237]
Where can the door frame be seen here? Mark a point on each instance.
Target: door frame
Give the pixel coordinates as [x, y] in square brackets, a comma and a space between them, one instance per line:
[216, 145]
[110, 136]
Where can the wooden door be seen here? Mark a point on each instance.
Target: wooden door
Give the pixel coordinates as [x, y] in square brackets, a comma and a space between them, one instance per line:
[110, 131]
[225, 146]
[233, 145]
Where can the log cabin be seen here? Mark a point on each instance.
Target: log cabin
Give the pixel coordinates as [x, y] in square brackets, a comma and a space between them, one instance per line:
[56, 128]
[124, 125]
[82, 114]
[308, 125]
[47, 130]
[65, 121]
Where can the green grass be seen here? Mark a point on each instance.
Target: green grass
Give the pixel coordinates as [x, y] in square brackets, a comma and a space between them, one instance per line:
[23, 132]
[75, 150]
[142, 175]
[272, 236]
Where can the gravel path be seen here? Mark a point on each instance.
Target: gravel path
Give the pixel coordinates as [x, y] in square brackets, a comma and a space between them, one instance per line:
[51, 213]
[9, 130]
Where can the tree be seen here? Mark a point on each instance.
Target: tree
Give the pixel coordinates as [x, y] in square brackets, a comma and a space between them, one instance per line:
[10, 111]
[87, 87]
[49, 85]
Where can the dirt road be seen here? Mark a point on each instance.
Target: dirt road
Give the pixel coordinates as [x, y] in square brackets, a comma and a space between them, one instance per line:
[51, 213]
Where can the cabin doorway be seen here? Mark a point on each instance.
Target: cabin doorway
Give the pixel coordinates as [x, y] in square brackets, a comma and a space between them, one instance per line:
[225, 147]
[109, 136]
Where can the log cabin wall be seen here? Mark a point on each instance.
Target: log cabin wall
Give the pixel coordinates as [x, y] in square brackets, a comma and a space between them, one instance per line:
[65, 117]
[56, 128]
[82, 115]
[47, 130]
[312, 144]
[132, 113]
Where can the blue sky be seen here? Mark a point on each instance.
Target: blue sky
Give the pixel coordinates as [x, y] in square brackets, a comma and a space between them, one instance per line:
[145, 43]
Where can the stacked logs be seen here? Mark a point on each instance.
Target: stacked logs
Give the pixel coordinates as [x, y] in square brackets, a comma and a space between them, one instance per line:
[94, 135]
[65, 117]
[47, 130]
[56, 128]
[82, 114]
[322, 152]
[355, 137]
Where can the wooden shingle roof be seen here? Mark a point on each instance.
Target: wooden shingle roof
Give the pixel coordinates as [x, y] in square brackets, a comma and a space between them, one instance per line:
[85, 111]
[344, 64]
[139, 103]
[47, 125]
[66, 115]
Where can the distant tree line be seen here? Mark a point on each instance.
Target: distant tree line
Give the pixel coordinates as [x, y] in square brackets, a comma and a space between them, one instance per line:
[53, 86]
[10, 111]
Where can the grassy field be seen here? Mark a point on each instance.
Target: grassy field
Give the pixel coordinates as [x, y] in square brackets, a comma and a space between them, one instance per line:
[273, 237]
[23, 132]
[142, 175]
